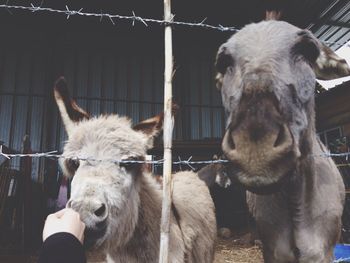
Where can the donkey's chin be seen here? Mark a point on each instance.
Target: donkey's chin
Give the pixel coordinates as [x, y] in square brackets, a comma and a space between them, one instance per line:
[95, 237]
[262, 184]
[264, 175]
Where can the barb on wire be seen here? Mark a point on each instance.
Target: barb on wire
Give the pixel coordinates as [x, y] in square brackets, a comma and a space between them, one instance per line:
[111, 19]
[68, 12]
[34, 8]
[180, 162]
[138, 18]
[7, 9]
[187, 162]
[133, 18]
[101, 16]
[172, 18]
[202, 22]
[3, 154]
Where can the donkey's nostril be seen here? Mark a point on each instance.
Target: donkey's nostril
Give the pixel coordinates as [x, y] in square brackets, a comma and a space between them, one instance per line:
[100, 211]
[231, 142]
[281, 137]
[69, 204]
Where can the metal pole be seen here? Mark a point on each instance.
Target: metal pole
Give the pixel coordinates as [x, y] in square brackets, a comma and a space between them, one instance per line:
[168, 131]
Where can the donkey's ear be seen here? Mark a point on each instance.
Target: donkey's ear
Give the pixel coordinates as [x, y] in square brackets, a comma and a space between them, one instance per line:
[329, 65]
[223, 61]
[153, 126]
[70, 112]
[273, 14]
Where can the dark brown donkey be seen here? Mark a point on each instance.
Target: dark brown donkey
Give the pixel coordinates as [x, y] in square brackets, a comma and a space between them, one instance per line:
[266, 73]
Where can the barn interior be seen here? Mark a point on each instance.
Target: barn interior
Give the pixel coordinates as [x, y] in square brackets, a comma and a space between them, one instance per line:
[117, 67]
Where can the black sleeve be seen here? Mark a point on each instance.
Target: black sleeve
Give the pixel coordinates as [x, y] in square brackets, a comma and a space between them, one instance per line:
[62, 247]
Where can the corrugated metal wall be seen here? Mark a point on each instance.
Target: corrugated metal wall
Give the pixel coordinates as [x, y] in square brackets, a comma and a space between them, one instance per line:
[124, 77]
[202, 114]
[22, 102]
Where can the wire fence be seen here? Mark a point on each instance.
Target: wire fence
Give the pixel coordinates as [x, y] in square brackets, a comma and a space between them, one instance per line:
[54, 155]
[189, 162]
[113, 18]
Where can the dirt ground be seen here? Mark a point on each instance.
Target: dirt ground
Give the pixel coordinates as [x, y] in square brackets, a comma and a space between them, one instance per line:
[227, 251]
[232, 250]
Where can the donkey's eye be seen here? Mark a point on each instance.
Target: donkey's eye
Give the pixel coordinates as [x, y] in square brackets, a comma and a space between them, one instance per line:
[306, 46]
[224, 62]
[72, 165]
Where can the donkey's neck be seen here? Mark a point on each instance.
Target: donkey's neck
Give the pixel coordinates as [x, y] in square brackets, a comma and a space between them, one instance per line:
[303, 182]
[307, 204]
[143, 245]
[150, 205]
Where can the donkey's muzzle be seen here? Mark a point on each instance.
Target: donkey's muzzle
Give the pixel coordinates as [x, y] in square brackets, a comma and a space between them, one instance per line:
[91, 212]
[261, 164]
[261, 145]
[94, 214]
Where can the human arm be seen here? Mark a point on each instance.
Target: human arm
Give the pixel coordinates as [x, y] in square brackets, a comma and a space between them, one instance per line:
[63, 236]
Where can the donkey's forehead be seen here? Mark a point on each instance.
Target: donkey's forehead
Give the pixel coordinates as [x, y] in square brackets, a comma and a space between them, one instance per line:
[264, 37]
[110, 134]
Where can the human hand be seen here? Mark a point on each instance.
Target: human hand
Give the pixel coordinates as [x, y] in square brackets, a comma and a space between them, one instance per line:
[65, 220]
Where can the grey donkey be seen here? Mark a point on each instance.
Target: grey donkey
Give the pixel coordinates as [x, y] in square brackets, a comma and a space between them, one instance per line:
[266, 74]
[120, 203]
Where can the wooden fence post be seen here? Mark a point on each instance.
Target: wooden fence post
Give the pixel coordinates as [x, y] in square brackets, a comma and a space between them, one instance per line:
[168, 132]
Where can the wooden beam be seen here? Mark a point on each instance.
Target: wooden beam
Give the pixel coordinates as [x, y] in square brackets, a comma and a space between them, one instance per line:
[168, 131]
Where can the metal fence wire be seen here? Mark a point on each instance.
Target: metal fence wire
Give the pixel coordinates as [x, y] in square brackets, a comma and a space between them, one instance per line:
[189, 162]
[133, 18]
[341, 160]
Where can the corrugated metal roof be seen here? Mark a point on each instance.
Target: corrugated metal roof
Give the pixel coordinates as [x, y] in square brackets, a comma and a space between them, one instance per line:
[333, 24]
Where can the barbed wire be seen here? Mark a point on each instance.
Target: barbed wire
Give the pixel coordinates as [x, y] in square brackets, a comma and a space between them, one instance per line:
[53, 154]
[329, 154]
[343, 165]
[133, 18]
[189, 162]
[112, 17]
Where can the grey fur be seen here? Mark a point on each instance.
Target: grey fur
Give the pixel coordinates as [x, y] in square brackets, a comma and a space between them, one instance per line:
[264, 69]
[121, 207]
